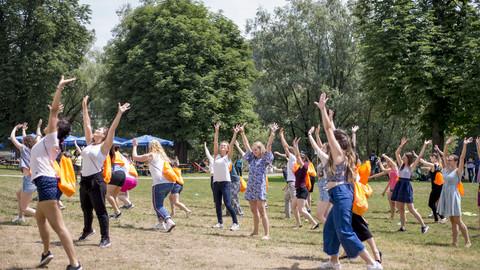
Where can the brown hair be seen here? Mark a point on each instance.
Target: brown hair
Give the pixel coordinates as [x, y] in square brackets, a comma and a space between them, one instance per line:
[410, 158]
[29, 141]
[346, 144]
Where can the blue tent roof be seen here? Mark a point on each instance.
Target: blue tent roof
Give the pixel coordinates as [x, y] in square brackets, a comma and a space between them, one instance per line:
[146, 139]
[82, 142]
[20, 138]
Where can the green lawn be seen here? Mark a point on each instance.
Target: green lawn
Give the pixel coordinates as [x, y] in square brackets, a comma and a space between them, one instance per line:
[194, 245]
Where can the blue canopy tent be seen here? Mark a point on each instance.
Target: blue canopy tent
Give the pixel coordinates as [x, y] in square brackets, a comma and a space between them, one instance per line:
[146, 139]
[82, 142]
[20, 138]
[70, 140]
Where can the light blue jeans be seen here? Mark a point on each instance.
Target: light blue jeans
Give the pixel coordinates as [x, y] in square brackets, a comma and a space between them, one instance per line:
[159, 193]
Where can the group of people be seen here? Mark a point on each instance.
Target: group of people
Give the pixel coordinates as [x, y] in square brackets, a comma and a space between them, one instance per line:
[337, 174]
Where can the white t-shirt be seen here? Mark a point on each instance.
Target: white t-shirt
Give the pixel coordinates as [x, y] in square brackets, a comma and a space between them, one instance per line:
[221, 170]
[156, 170]
[291, 161]
[43, 155]
[92, 159]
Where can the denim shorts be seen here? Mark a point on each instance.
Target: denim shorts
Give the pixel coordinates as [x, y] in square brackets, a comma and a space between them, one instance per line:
[176, 189]
[47, 188]
[28, 186]
[323, 191]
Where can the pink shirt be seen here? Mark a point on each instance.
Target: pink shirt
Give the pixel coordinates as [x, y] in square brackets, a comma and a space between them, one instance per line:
[393, 178]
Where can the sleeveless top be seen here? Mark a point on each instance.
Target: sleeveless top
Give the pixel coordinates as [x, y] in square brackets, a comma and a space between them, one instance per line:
[340, 174]
[405, 173]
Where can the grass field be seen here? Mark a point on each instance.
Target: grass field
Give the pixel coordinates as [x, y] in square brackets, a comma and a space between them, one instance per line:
[194, 245]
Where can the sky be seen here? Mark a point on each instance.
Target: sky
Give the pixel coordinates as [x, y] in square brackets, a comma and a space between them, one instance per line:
[104, 16]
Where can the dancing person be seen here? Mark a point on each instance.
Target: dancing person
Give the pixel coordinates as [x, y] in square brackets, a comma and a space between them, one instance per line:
[258, 157]
[450, 202]
[392, 172]
[403, 192]
[174, 196]
[92, 186]
[341, 173]
[222, 154]
[120, 166]
[43, 154]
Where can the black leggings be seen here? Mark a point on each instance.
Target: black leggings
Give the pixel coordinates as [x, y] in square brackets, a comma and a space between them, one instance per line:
[92, 196]
[432, 200]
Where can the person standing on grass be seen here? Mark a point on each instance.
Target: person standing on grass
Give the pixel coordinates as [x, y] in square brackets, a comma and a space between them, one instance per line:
[157, 161]
[258, 157]
[120, 166]
[24, 194]
[43, 154]
[92, 186]
[174, 196]
[392, 172]
[301, 190]
[477, 144]
[341, 173]
[403, 191]
[450, 202]
[222, 163]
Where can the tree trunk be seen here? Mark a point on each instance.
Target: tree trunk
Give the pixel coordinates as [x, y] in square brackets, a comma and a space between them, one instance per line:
[181, 151]
[438, 135]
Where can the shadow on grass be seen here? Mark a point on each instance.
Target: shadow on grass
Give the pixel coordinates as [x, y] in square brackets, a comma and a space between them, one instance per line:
[22, 268]
[56, 243]
[227, 235]
[295, 266]
[303, 258]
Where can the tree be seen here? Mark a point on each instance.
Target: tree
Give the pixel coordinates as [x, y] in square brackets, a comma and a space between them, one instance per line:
[182, 68]
[40, 41]
[421, 60]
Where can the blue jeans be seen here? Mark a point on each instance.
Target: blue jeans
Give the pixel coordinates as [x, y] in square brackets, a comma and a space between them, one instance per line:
[159, 193]
[223, 189]
[338, 227]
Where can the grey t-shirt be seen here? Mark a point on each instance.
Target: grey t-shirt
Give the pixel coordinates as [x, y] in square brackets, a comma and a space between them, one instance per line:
[24, 157]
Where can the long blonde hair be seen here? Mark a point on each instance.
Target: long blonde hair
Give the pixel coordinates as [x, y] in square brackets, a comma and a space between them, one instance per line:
[156, 149]
[261, 146]
[350, 158]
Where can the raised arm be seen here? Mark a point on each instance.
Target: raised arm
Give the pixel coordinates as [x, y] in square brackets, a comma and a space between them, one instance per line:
[108, 143]
[77, 147]
[87, 125]
[139, 158]
[246, 144]
[461, 163]
[398, 152]
[284, 142]
[207, 153]
[56, 107]
[390, 161]
[317, 137]
[445, 149]
[428, 165]
[14, 140]
[273, 129]
[420, 156]
[232, 141]
[315, 146]
[215, 139]
[24, 130]
[354, 136]
[336, 150]
[297, 151]
[237, 144]
[378, 175]
[39, 130]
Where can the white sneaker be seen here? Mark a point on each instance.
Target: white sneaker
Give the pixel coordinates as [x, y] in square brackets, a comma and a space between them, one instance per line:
[375, 266]
[330, 266]
[170, 225]
[431, 215]
[442, 221]
[18, 220]
[218, 226]
[235, 227]
[160, 226]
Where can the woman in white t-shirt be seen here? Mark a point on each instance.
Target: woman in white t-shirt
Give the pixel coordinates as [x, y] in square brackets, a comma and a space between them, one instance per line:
[221, 178]
[161, 186]
[92, 186]
[43, 154]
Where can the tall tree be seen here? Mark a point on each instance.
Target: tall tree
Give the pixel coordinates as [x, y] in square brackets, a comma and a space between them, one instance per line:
[40, 40]
[182, 68]
[421, 60]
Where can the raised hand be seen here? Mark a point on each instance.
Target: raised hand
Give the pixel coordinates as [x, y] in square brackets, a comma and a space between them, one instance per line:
[449, 140]
[217, 126]
[467, 141]
[123, 108]
[19, 126]
[85, 101]
[59, 109]
[40, 122]
[25, 126]
[134, 142]
[322, 101]
[64, 81]
[355, 129]
[403, 141]
[317, 130]
[236, 129]
[312, 129]
[241, 128]
[436, 148]
[274, 127]
[427, 142]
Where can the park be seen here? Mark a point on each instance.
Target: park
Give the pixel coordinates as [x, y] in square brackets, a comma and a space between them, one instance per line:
[314, 100]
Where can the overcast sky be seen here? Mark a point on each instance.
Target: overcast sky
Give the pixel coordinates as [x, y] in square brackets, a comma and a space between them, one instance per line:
[104, 17]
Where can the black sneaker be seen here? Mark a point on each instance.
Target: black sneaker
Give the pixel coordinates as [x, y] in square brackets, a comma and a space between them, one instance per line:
[116, 216]
[104, 243]
[85, 235]
[402, 229]
[425, 229]
[45, 259]
[79, 267]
